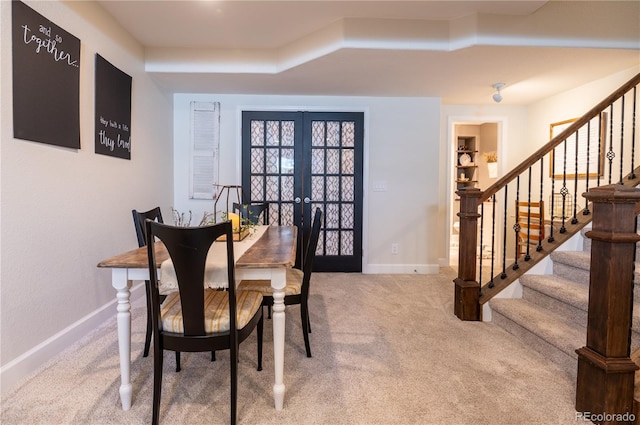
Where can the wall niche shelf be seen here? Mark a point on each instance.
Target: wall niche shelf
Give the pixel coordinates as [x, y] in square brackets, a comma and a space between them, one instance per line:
[466, 160]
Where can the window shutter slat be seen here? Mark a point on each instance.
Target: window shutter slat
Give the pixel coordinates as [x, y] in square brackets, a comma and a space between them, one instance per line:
[205, 143]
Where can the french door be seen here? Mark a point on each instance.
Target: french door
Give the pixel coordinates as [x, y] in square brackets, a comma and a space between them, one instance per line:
[300, 161]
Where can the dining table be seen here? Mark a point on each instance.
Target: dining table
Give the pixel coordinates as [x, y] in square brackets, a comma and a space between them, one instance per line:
[267, 253]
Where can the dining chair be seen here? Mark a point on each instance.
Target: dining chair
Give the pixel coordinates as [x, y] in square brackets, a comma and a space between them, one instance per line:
[531, 224]
[196, 318]
[252, 212]
[298, 282]
[138, 222]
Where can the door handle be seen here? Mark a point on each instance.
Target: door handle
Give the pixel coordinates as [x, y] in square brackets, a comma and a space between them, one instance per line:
[307, 200]
[297, 200]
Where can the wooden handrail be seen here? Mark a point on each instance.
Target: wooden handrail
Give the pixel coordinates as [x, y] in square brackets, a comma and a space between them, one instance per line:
[470, 292]
[540, 153]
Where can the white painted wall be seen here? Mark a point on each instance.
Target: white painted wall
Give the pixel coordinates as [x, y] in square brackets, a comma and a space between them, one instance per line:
[401, 142]
[571, 104]
[64, 210]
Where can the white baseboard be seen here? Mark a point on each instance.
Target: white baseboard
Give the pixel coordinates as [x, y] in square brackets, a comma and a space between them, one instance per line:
[28, 363]
[401, 269]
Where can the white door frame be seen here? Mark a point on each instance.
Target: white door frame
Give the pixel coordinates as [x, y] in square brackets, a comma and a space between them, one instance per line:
[452, 121]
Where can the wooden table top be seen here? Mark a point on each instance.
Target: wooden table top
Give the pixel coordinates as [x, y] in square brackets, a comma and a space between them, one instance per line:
[275, 248]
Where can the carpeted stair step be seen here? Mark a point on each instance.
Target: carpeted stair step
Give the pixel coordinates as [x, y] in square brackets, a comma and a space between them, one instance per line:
[576, 266]
[572, 265]
[550, 333]
[565, 297]
[569, 299]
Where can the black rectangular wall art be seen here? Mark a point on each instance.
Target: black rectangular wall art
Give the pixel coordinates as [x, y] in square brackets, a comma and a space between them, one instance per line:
[113, 110]
[46, 80]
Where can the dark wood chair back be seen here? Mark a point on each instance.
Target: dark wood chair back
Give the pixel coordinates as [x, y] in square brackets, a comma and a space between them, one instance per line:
[141, 232]
[310, 253]
[188, 248]
[252, 212]
[138, 222]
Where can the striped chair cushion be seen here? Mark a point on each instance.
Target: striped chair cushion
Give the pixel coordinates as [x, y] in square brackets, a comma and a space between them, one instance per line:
[294, 284]
[216, 305]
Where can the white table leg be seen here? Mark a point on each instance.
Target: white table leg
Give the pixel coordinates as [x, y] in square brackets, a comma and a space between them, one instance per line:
[278, 282]
[121, 284]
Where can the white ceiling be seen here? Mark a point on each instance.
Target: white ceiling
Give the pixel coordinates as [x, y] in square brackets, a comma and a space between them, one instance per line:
[450, 49]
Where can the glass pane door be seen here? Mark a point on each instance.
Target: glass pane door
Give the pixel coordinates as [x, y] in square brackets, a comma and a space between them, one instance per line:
[300, 161]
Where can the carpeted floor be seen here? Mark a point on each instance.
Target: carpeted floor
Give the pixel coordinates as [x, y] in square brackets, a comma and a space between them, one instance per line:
[387, 349]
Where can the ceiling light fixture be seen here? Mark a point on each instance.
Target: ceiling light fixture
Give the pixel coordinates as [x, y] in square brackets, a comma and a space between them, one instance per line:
[497, 97]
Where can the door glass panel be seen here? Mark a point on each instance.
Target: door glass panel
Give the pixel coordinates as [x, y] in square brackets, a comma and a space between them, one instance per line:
[257, 133]
[273, 133]
[287, 188]
[288, 133]
[332, 242]
[272, 162]
[333, 161]
[347, 189]
[333, 133]
[317, 133]
[317, 188]
[257, 161]
[347, 161]
[287, 161]
[346, 245]
[273, 188]
[257, 187]
[317, 161]
[287, 214]
[348, 134]
[333, 189]
[346, 216]
[332, 216]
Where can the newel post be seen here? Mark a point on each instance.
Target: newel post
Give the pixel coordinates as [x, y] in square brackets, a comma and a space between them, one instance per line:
[605, 381]
[467, 288]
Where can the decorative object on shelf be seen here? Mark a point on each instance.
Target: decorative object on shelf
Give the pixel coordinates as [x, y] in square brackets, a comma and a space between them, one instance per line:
[465, 159]
[492, 163]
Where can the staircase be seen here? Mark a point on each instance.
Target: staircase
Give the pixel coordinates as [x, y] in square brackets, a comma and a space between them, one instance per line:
[551, 316]
[552, 313]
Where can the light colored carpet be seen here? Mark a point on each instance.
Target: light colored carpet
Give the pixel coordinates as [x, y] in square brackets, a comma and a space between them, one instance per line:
[387, 349]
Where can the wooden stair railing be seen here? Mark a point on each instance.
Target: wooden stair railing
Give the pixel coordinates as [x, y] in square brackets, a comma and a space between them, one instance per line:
[614, 118]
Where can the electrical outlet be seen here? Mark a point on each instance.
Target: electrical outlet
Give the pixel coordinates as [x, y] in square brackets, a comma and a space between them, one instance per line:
[394, 248]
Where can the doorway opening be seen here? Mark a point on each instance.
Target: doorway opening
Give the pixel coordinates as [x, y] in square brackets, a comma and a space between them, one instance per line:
[472, 143]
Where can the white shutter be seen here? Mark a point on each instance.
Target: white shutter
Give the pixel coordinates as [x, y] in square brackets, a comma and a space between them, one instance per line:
[205, 144]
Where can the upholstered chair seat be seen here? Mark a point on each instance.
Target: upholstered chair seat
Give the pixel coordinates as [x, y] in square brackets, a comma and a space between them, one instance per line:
[216, 310]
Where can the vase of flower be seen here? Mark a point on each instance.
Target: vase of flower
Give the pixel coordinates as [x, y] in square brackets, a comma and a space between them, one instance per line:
[492, 163]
